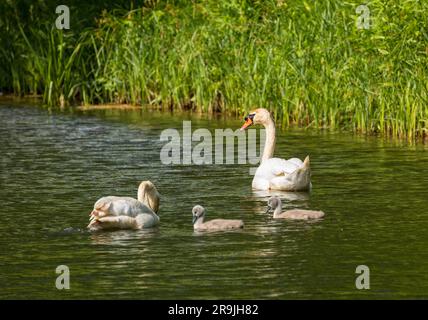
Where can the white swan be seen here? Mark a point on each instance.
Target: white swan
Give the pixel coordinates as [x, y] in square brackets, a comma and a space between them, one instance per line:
[276, 173]
[275, 204]
[198, 213]
[125, 212]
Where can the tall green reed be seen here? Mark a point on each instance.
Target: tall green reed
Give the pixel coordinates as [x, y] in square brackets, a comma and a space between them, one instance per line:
[306, 61]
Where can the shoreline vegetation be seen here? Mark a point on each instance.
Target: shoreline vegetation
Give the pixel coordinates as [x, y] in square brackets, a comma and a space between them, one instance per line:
[306, 61]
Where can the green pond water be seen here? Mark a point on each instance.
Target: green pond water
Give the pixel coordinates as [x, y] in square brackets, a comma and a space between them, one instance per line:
[54, 166]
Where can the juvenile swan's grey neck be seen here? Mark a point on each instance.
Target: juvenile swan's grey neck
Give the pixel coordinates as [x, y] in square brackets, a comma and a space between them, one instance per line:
[270, 140]
[278, 209]
[199, 221]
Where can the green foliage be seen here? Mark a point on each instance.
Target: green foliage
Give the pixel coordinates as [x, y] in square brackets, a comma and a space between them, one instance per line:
[305, 60]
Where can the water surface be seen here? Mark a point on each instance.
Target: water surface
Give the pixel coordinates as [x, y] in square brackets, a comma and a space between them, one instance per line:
[53, 166]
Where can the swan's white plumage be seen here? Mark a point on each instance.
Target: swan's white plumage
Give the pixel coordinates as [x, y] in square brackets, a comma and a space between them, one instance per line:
[280, 174]
[275, 173]
[140, 221]
[117, 206]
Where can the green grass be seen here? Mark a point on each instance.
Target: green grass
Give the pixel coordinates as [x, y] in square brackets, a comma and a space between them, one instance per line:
[305, 60]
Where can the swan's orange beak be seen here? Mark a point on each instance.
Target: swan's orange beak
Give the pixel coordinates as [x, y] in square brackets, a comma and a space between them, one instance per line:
[248, 122]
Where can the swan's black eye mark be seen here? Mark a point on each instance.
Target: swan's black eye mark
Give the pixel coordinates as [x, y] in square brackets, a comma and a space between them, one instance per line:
[250, 116]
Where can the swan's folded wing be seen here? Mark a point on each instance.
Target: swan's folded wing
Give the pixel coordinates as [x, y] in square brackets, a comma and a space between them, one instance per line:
[127, 206]
[121, 206]
[147, 220]
[281, 167]
[113, 222]
[296, 161]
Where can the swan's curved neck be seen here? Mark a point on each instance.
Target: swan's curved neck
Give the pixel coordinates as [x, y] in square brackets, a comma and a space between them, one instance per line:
[140, 195]
[270, 140]
[199, 221]
[148, 196]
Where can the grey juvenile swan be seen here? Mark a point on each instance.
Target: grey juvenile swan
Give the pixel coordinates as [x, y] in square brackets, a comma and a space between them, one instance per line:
[212, 225]
[275, 204]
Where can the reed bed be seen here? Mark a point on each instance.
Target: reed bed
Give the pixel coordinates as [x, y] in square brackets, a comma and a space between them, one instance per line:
[305, 60]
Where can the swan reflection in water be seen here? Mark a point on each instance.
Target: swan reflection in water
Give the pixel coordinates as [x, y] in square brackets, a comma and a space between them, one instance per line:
[123, 237]
[287, 195]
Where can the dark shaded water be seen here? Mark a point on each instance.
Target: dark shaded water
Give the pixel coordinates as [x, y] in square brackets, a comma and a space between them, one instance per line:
[54, 166]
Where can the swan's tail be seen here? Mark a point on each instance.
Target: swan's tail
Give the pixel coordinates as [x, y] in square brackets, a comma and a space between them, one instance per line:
[306, 163]
[110, 222]
[298, 180]
[93, 223]
[302, 176]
